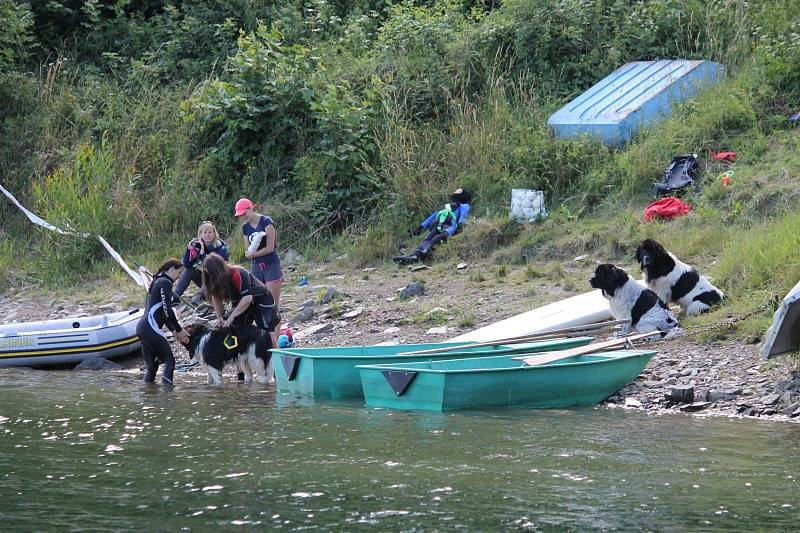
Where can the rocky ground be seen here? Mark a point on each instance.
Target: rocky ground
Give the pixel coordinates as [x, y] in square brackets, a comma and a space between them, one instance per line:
[341, 305]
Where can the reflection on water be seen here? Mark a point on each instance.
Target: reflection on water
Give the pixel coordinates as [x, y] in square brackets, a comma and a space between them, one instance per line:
[101, 450]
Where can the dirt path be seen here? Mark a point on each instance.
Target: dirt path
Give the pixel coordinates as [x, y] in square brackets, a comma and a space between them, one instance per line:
[345, 306]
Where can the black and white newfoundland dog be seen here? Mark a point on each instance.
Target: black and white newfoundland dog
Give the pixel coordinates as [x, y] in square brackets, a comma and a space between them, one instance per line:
[675, 281]
[244, 348]
[629, 300]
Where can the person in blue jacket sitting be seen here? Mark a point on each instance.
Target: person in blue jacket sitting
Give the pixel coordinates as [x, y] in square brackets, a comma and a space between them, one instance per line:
[440, 225]
[207, 242]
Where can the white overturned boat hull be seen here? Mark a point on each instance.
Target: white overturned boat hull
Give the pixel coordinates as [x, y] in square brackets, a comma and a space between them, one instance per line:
[587, 308]
[784, 333]
[69, 340]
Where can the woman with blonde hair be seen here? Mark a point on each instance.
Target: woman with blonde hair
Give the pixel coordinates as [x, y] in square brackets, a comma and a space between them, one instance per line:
[206, 242]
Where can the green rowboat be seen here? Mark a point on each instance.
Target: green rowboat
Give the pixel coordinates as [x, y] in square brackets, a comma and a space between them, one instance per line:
[332, 373]
[500, 381]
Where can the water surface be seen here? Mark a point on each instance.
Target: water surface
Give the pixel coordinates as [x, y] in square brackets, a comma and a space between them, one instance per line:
[82, 450]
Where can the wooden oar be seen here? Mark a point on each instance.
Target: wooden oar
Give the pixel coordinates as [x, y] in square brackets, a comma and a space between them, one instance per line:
[544, 335]
[550, 357]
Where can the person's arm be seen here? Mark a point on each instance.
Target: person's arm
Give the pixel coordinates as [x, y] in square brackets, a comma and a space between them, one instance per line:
[187, 255]
[270, 235]
[463, 213]
[170, 320]
[426, 224]
[223, 250]
[217, 304]
[240, 308]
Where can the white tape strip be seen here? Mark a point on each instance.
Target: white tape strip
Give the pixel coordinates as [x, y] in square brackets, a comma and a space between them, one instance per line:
[33, 218]
[45, 224]
[118, 258]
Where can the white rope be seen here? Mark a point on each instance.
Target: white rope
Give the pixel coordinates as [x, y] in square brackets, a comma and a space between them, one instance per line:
[45, 224]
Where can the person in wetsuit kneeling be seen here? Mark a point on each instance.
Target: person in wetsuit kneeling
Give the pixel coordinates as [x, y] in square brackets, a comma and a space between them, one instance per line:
[440, 225]
[159, 313]
[206, 242]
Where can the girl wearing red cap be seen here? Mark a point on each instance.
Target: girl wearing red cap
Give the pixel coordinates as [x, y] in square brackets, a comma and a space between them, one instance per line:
[260, 240]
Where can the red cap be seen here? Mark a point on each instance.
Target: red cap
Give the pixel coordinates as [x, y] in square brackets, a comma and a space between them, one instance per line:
[242, 205]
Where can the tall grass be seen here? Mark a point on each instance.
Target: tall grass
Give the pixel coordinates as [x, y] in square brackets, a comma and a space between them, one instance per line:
[10, 258]
[764, 258]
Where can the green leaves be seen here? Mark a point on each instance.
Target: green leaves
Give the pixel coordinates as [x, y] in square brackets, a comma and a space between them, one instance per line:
[15, 33]
[273, 114]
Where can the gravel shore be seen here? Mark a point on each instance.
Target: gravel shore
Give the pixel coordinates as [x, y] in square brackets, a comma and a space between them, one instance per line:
[366, 307]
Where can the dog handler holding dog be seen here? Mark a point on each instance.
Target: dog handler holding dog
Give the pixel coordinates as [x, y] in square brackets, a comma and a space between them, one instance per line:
[250, 300]
[158, 313]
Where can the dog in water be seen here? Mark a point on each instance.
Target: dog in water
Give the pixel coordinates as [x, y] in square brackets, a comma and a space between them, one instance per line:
[629, 300]
[244, 348]
[675, 281]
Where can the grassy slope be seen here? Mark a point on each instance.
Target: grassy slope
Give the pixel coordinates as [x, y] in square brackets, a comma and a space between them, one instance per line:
[744, 237]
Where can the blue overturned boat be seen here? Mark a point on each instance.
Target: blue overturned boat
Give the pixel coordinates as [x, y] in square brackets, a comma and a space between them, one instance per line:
[69, 340]
[637, 95]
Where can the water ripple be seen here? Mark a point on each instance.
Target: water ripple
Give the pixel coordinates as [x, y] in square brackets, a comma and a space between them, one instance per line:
[200, 457]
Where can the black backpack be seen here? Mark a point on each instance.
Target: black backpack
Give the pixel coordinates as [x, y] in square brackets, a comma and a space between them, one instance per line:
[678, 175]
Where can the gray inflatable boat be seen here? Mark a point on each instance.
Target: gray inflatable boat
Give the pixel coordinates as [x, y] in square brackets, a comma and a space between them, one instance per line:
[69, 340]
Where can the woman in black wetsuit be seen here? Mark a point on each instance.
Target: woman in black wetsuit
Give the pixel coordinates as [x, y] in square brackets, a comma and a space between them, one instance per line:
[158, 313]
[250, 299]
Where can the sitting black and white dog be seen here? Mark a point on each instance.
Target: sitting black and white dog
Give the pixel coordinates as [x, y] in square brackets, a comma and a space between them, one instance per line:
[629, 300]
[246, 348]
[675, 281]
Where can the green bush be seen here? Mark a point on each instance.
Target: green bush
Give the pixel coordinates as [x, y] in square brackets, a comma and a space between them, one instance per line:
[414, 47]
[15, 33]
[84, 200]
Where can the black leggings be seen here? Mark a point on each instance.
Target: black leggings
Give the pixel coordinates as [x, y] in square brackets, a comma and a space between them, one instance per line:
[433, 238]
[155, 350]
[265, 315]
[189, 274]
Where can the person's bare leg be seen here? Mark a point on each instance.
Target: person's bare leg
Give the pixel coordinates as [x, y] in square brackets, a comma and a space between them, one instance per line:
[274, 288]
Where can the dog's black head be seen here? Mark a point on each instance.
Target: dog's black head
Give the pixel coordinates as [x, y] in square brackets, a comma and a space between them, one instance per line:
[608, 278]
[195, 333]
[654, 259]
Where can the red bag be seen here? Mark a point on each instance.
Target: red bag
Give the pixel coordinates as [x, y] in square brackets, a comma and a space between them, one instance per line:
[728, 157]
[666, 208]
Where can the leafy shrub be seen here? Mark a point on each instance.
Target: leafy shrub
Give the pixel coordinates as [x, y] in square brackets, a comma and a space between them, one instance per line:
[15, 33]
[255, 116]
[414, 46]
[86, 198]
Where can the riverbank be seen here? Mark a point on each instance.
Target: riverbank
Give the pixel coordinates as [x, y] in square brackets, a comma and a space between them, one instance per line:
[345, 306]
